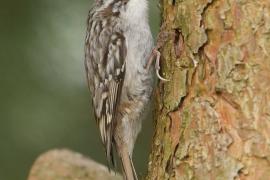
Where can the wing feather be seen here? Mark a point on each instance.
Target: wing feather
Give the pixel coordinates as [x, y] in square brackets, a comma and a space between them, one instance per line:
[105, 54]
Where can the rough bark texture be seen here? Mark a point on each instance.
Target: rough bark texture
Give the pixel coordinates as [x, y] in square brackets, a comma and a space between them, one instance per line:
[213, 117]
[67, 165]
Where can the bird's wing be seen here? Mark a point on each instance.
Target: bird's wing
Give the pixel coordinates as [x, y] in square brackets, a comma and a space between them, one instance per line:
[105, 54]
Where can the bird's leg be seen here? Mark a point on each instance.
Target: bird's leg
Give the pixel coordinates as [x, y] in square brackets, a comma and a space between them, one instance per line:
[163, 36]
[150, 60]
[157, 66]
[155, 55]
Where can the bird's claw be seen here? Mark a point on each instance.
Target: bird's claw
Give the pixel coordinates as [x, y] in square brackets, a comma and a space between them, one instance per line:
[157, 67]
[156, 53]
[161, 78]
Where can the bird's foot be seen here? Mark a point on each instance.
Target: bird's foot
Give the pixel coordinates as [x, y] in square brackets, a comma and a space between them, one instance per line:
[155, 53]
[162, 38]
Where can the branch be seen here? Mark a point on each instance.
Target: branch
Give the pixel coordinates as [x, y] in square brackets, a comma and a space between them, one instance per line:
[67, 165]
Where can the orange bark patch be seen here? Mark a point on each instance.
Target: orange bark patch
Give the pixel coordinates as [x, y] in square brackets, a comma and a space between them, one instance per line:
[236, 11]
[211, 52]
[175, 127]
[228, 117]
[228, 36]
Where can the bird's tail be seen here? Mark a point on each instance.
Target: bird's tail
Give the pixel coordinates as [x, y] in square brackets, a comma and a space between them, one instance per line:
[127, 165]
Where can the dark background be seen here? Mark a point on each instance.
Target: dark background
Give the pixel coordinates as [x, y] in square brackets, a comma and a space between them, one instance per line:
[44, 100]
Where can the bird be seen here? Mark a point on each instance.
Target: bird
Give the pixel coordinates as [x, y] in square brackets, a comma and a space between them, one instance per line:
[118, 46]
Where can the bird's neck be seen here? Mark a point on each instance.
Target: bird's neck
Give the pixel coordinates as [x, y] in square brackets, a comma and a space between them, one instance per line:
[136, 11]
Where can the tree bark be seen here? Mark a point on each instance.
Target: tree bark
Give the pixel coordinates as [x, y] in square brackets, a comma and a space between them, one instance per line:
[213, 116]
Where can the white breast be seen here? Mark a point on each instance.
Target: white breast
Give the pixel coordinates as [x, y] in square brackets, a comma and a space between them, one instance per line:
[136, 12]
[139, 44]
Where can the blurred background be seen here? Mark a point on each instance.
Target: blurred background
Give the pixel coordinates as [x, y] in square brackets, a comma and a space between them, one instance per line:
[44, 100]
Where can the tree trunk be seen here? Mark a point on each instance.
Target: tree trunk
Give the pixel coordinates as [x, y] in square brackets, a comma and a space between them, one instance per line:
[213, 116]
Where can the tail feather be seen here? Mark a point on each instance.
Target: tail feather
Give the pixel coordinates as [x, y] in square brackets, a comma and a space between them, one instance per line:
[127, 166]
[133, 169]
[109, 146]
